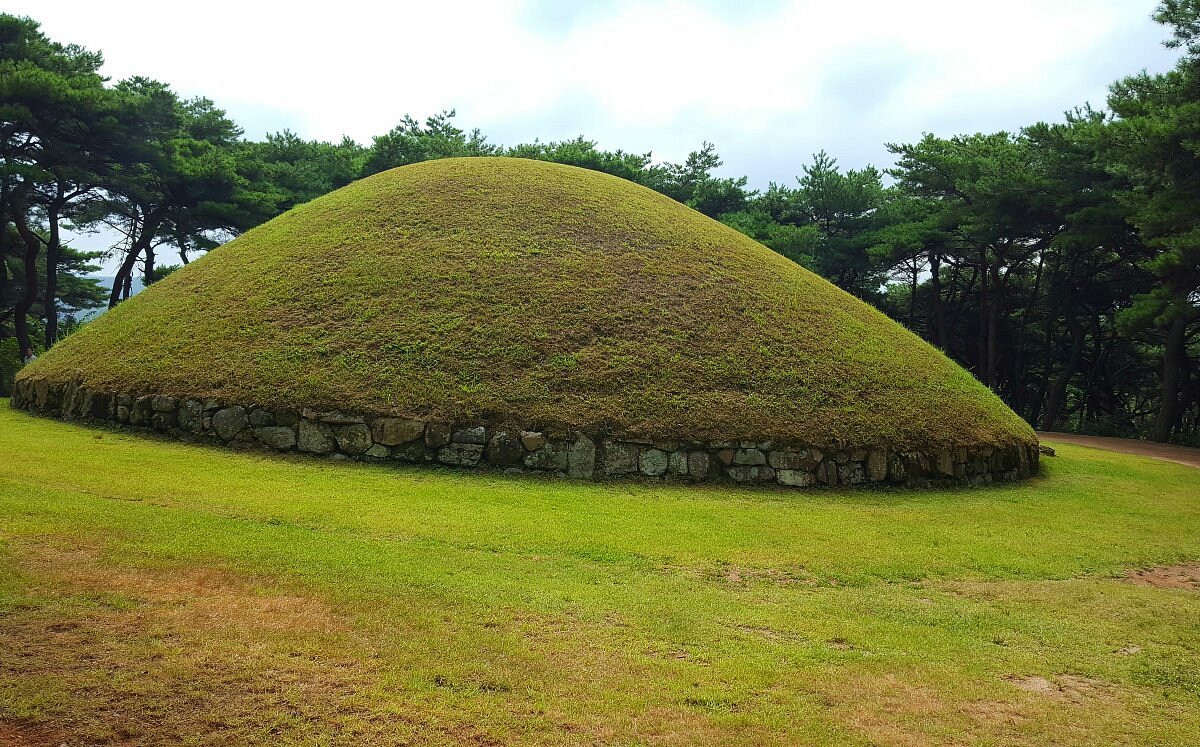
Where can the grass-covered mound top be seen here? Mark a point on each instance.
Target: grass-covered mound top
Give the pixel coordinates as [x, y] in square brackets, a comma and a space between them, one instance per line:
[508, 290]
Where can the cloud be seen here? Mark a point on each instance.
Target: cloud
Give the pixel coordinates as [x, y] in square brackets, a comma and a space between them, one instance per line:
[769, 86]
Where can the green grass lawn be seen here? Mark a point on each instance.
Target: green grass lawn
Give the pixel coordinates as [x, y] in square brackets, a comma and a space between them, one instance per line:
[155, 592]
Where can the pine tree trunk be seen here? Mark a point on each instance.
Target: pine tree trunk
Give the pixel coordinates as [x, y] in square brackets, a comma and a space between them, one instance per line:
[999, 287]
[142, 243]
[1021, 389]
[993, 341]
[1058, 391]
[29, 295]
[49, 299]
[5, 281]
[124, 273]
[981, 333]
[937, 309]
[912, 295]
[1175, 350]
[148, 267]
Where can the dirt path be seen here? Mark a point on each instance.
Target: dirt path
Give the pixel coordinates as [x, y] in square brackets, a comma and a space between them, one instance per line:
[1166, 452]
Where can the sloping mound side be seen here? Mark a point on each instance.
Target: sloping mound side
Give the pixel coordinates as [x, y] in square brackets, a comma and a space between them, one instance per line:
[513, 290]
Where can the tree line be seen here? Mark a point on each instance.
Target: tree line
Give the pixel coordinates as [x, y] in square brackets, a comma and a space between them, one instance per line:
[1060, 264]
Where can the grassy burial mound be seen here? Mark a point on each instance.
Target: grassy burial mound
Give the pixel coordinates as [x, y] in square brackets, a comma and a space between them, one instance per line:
[533, 315]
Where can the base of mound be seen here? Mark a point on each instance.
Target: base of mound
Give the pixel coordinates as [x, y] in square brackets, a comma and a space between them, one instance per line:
[521, 447]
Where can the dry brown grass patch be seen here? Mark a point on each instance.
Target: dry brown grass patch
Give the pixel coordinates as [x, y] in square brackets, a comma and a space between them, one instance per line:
[199, 597]
[159, 656]
[911, 710]
[100, 653]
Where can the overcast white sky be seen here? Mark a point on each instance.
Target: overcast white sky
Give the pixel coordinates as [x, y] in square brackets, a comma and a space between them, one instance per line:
[770, 82]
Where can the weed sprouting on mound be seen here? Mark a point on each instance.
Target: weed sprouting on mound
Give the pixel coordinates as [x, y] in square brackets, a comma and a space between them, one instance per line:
[503, 289]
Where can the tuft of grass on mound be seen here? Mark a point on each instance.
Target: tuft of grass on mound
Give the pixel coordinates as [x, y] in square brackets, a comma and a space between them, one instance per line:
[504, 289]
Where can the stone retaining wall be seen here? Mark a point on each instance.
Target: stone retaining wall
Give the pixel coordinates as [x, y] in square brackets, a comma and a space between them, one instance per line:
[348, 435]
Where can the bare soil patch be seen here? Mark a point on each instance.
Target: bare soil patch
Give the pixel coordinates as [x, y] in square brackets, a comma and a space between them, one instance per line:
[1066, 686]
[1168, 577]
[1034, 684]
[17, 733]
[728, 574]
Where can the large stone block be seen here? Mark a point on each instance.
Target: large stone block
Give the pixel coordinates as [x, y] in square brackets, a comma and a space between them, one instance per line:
[554, 457]
[82, 403]
[260, 418]
[797, 459]
[750, 473]
[228, 423]
[678, 464]
[437, 434]
[396, 431]
[581, 457]
[58, 393]
[504, 448]
[413, 451]
[68, 400]
[827, 471]
[141, 412]
[29, 389]
[851, 473]
[977, 465]
[101, 406]
[653, 462]
[333, 417]
[315, 438]
[353, 439]
[276, 436]
[17, 396]
[460, 455]
[163, 420]
[698, 464]
[41, 395]
[795, 477]
[620, 458]
[533, 440]
[474, 435]
[191, 415]
[944, 464]
[749, 457]
[877, 465]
